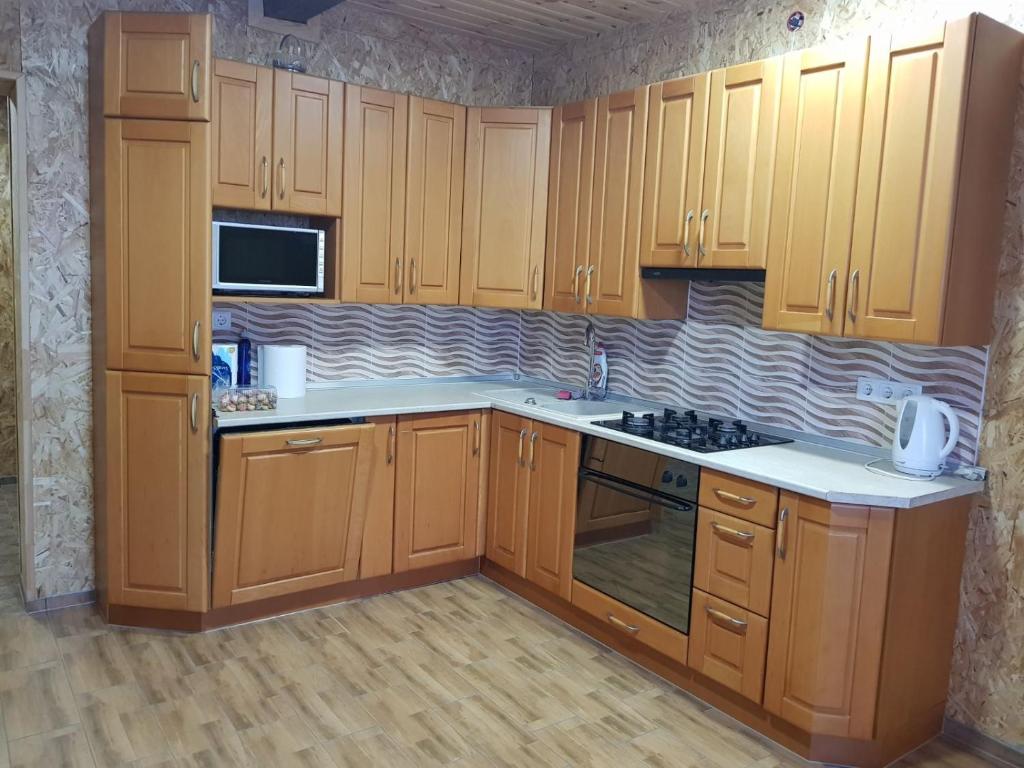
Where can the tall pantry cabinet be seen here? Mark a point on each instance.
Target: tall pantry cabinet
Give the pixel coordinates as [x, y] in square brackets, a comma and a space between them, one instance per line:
[149, 138]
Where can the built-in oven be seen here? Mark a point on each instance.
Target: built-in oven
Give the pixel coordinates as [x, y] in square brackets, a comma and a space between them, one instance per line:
[636, 528]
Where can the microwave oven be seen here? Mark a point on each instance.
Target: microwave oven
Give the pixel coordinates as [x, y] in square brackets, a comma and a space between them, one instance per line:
[253, 258]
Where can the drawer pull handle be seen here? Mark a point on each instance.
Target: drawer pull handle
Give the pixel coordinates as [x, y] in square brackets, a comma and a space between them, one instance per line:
[783, 530]
[281, 177]
[522, 439]
[265, 167]
[734, 498]
[745, 537]
[576, 283]
[390, 458]
[533, 450]
[686, 233]
[631, 628]
[586, 289]
[701, 251]
[533, 283]
[830, 301]
[195, 340]
[194, 415]
[412, 276]
[398, 277]
[476, 437]
[306, 441]
[195, 81]
[736, 625]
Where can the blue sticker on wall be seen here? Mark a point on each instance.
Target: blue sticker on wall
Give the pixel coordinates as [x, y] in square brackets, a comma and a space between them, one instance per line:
[795, 21]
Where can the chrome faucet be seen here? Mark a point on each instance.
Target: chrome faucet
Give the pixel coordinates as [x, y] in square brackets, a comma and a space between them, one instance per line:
[590, 342]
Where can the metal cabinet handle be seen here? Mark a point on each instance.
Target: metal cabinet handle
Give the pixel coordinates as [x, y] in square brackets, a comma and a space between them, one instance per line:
[194, 416]
[631, 628]
[533, 283]
[195, 340]
[830, 300]
[265, 168]
[686, 233]
[783, 529]
[281, 177]
[533, 450]
[727, 496]
[195, 81]
[390, 457]
[398, 277]
[700, 234]
[522, 439]
[412, 275]
[306, 441]
[854, 290]
[722, 619]
[586, 289]
[576, 283]
[745, 537]
[476, 437]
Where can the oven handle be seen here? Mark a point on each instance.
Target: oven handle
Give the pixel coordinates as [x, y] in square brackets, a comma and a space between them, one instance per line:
[588, 475]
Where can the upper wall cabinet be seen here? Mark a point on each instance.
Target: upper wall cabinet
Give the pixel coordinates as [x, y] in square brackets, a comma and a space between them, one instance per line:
[931, 183]
[503, 228]
[152, 65]
[243, 101]
[376, 125]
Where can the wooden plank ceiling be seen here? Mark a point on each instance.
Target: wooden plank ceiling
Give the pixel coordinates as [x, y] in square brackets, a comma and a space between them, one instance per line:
[529, 24]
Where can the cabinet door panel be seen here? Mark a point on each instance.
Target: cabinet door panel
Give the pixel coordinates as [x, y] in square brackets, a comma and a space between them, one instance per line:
[437, 499]
[156, 489]
[815, 186]
[508, 492]
[243, 100]
[379, 530]
[907, 186]
[828, 611]
[157, 65]
[506, 207]
[674, 171]
[376, 126]
[728, 644]
[158, 281]
[742, 118]
[734, 560]
[570, 193]
[554, 460]
[618, 198]
[308, 125]
[433, 230]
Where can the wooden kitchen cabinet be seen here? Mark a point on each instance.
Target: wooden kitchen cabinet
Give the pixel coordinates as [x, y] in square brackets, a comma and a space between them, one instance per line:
[508, 492]
[728, 644]
[243, 110]
[291, 508]
[376, 129]
[308, 137]
[433, 216]
[734, 560]
[503, 230]
[437, 501]
[151, 65]
[377, 558]
[152, 485]
[151, 246]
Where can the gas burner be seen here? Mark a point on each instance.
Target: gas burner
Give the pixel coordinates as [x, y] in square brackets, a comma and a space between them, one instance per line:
[687, 430]
[637, 423]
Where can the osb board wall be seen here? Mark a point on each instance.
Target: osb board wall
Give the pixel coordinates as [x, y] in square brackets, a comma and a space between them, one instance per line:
[987, 686]
[8, 391]
[362, 48]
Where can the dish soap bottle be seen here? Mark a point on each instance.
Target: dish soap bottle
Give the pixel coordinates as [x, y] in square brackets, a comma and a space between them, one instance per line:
[599, 373]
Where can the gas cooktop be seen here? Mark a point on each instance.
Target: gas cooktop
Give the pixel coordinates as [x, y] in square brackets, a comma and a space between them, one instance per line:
[687, 430]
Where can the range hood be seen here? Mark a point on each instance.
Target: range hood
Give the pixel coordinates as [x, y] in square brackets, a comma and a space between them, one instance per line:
[703, 275]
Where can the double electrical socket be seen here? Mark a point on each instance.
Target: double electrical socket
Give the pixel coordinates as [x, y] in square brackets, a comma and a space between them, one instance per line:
[221, 320]
[885, 391]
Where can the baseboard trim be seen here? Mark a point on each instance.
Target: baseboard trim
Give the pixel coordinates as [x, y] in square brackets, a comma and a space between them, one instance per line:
[55, 602]
[982, 744]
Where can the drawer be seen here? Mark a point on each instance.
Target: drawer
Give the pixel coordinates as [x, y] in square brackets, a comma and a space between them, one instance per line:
[630, 622]
[728, 644]
[746, 499]
[734, 560]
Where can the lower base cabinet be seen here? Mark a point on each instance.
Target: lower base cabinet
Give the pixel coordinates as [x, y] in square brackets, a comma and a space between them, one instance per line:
[291, 506]
[728, 644]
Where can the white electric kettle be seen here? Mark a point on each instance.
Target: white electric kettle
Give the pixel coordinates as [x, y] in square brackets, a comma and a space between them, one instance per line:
[921, 446]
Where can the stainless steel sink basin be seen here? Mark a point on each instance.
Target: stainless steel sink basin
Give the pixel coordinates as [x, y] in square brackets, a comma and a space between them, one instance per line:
[584, 408]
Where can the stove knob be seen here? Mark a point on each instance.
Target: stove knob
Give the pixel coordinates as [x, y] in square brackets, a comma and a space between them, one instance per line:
[681, 482]
[667, 477]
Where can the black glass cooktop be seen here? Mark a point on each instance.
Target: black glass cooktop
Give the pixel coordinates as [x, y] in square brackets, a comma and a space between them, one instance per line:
[688, 430]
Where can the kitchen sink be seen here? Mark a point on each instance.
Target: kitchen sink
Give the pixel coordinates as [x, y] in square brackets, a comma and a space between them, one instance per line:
[546, 398]
[584, 408]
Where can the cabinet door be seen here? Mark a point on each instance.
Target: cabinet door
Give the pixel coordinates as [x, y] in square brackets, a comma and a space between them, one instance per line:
[308, 125]
[728, 644]
[815, 186]
[508, 492]
[828, 612]
[506, 207]
[243, 100]
[156, 489]
[907, 185]
[436, 499]
[376, 127]
[674, 171]
[742, 119]
[611, 284]
[553, 461]
[433, 218]
[157, 246]
[291, 505]
[570, 192]
[156, 65]
[734, 560]
[379, 529]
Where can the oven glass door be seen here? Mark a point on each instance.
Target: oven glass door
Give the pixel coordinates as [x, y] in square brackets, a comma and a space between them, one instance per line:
[636, 547]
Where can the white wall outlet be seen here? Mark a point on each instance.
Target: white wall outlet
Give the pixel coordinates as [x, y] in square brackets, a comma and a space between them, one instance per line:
[222, 320]
[885, 391]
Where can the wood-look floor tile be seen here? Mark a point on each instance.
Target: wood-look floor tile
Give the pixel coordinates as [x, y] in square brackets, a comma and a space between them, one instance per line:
[328, 713]
[525, 699]
[483, 724]
[429, 738]
[943, 754]
[63, 748]
[580, 743]
[284, 744]
[5, 760]
[533, 755]
[93, 662]
[35, 700]
[664, 749]
[77, 620]
[369, 748]
[120, 725]
[156, 761]
[25, 641]
[196, 729]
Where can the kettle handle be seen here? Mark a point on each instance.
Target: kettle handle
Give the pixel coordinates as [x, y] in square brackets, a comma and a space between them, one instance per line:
[954, 428]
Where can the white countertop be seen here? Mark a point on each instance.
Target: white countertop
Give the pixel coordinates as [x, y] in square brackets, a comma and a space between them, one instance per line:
[822, 472]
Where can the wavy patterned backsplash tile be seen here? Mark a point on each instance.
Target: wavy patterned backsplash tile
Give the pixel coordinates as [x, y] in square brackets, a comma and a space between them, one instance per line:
[717, 360]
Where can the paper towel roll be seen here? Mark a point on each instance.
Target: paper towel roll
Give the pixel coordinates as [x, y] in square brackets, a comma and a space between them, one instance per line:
[283, 366]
